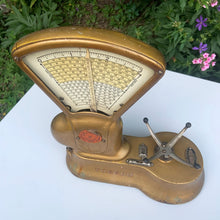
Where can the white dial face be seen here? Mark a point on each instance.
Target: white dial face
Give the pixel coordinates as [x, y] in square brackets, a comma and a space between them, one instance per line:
[89, 78]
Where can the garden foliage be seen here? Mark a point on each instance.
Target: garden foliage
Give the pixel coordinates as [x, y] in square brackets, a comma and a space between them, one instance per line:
[187, 32]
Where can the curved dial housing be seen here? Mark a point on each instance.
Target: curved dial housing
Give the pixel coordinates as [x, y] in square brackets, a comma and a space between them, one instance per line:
[89, 78]
[85, 69]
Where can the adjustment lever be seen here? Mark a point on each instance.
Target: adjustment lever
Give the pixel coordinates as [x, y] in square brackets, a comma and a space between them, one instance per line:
[143, 155]
[164, 151]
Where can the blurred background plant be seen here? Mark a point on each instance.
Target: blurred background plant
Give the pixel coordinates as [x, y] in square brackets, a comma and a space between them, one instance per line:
[173, 27]
[170, 26]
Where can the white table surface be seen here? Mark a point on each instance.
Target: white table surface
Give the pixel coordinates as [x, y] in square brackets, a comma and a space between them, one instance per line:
[36, 184]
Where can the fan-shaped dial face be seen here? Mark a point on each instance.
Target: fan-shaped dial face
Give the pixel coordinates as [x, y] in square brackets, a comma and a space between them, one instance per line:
[91, 79]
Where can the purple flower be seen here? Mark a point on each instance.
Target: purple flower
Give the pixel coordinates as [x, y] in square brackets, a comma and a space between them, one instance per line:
[202, 47]
[218, 8]
[201, 23]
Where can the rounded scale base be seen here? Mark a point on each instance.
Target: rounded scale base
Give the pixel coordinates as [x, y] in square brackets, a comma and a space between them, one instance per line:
[166, 181]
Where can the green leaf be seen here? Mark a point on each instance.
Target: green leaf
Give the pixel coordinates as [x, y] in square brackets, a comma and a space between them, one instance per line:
[182, 4]
[195, 16]
[170, 54]
[181, 46]
[23, 2]
[45, 20]
[161, 40]
[191, 3]
[32, 3]
[218, 39]
[198, 6]
[16, 11]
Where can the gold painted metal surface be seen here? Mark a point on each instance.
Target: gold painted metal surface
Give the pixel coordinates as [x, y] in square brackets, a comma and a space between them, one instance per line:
[168, 182]
[94, 76]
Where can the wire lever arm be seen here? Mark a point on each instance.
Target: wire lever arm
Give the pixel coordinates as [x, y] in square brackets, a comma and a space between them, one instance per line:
[165, 150]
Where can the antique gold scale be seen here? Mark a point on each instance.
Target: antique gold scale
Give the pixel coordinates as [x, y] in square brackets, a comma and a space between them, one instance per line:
[94, 76]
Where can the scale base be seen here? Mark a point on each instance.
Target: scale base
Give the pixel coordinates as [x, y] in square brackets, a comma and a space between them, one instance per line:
[167, 181]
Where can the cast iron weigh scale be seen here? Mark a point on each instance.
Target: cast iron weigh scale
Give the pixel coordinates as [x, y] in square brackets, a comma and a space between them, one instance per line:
[94, 76]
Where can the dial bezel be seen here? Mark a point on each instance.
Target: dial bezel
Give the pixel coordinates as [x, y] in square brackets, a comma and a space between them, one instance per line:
[99, 39]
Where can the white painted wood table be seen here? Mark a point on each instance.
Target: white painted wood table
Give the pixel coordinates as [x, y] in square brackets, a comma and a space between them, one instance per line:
[36, 184]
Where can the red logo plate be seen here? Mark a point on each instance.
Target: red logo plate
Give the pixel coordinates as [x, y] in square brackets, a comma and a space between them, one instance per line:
[90, 136]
